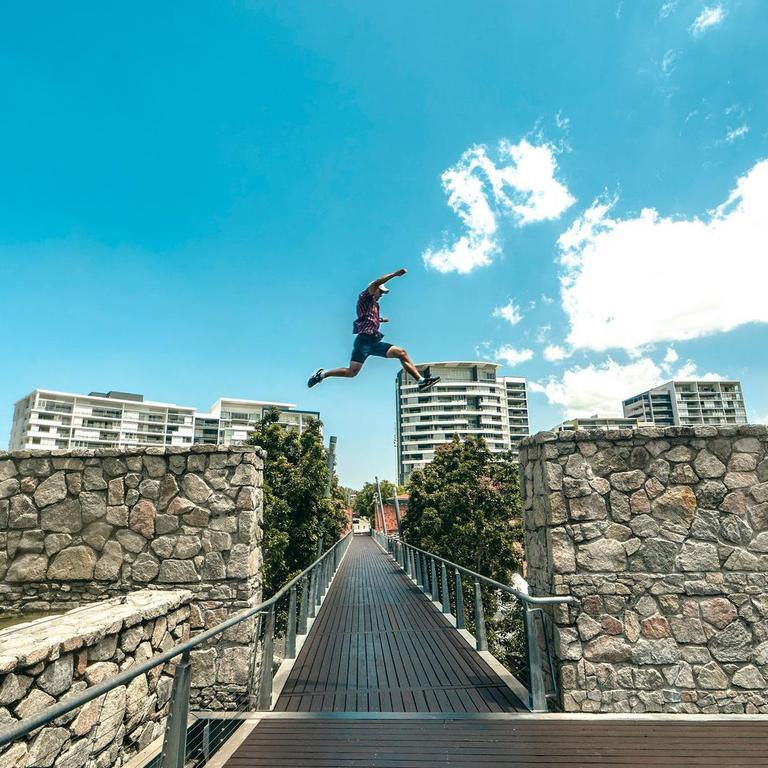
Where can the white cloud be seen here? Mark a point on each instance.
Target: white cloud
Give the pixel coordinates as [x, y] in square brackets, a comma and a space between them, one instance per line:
[631, 282]
[736, 133]
[521, 185]
[554, 352]
[667, 8]
[600, 389]
[512, 356]
[668, 62]
[546, 299]
[710, 16]
[509, 312]
[671, 356]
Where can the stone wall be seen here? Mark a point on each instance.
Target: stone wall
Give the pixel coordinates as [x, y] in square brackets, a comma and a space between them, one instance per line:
[51, 659]
[79, 526]
[662, 536]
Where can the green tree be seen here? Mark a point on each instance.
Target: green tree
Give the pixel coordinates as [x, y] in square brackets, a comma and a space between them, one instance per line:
[297, 511]
[365, 496]
[465, 506]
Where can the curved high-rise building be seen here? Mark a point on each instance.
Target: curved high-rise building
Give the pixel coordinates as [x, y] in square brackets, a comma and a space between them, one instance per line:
[470, 400]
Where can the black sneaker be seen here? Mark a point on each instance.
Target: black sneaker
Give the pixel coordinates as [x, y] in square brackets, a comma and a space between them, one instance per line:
[426, 384]
[315, 378]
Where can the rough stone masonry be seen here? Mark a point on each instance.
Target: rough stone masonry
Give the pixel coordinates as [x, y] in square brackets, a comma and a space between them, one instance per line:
[52, 659]
[80, 526]
[662, 536]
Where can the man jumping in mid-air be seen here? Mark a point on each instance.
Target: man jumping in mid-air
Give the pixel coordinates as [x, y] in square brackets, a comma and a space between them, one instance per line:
[368, 339]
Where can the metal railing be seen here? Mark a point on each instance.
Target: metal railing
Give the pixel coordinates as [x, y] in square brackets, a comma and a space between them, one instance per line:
[422, 568]
[314, 582]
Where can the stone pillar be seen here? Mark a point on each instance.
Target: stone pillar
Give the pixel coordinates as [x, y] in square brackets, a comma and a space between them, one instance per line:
[662, 536]
[78, 526]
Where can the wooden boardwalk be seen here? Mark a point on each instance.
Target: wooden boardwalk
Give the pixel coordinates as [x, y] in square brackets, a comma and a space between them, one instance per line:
[384, 681]
[379, 645]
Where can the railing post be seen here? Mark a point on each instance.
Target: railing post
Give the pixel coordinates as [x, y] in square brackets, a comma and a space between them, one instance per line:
[267, 660]
[174, 752]
[304, 609]
[433, 591]
[312, 605]
[480, 636]
[459, 601]
[446, 598]
[417, 568]
[318, 585]
[290, 641]
[537, 695]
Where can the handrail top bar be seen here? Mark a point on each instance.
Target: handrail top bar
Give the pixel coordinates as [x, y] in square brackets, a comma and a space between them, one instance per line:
[49, 714]
[504, 587]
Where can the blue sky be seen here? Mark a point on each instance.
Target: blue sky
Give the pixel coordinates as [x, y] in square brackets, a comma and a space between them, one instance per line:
[191, 200]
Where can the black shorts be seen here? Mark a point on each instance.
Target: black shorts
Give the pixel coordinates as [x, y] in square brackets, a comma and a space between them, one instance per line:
[368, 345]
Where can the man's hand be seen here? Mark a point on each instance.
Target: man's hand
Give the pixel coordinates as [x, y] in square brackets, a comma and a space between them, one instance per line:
[379, 281]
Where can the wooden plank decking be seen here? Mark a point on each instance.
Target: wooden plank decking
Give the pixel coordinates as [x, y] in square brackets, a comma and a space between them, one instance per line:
[379, 645]
[511, 743]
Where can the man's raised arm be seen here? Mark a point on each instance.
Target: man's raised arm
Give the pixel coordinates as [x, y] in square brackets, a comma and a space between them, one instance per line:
[379, 281]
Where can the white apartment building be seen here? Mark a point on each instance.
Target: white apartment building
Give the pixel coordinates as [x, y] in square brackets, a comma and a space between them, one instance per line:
[470, 400]
[517, 410]
[47, 420]
[689, 403]
[598, 422]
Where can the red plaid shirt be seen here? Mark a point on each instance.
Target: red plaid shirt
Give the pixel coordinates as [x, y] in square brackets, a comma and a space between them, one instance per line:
[368, 317]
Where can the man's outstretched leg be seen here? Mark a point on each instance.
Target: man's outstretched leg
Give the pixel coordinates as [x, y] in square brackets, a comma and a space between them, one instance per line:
[344, 373]
[410, 368]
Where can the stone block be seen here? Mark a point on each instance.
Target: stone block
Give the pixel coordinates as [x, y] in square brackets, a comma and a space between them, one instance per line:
[232, 666]
[57, 676]
[45, 747]
[707, 465]
[695, 556]
[203, 667]
[590, 507]
[145, 568]
[734, 643]
[27, 568]
[663, 651]
[675, 506]
[142, 518]
[608, 649]
[75, 563]
[178, 572]
[62, 517]
[195, 488]
[51, 490]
